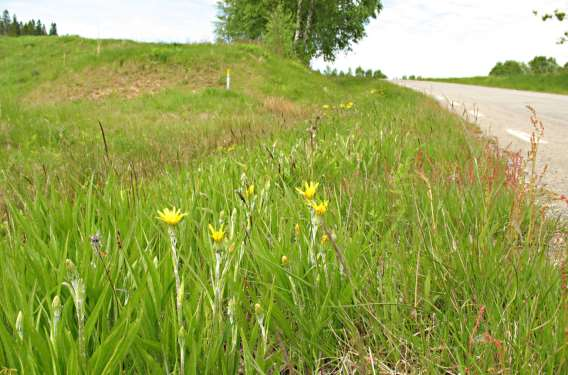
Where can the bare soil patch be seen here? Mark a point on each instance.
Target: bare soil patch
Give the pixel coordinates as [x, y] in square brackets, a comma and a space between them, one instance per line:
[127, 81]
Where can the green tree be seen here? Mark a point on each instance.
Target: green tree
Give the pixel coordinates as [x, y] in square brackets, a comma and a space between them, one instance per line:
[543, 65]
[28, 28]
[5, 22]
[278, 33]
[53, 29]
[558, 15]
[320, 27]
[509, 68]
[378, 74]
[359, 72]
[40, 28]
[15, 28]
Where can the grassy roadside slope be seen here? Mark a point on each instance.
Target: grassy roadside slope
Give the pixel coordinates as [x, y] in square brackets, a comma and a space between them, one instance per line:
[429, 258]
[553, 83]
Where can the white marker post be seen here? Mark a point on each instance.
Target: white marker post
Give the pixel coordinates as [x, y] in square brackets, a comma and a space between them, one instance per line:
[228, 79]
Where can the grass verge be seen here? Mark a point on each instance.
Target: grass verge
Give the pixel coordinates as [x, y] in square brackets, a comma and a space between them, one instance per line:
[549, 83]
[430, 255]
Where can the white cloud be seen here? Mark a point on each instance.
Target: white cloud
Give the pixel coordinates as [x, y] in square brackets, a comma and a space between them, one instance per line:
[436, 38]
[445, 38]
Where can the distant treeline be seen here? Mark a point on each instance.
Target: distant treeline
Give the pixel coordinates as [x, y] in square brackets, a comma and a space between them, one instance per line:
[359, 72]
[10, 26]
[538, 65]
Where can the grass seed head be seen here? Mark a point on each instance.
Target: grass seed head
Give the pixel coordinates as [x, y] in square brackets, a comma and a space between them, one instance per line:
[56, 304]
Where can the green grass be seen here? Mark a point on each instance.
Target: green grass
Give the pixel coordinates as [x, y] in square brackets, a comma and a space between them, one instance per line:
[551, 83]
[428, 226]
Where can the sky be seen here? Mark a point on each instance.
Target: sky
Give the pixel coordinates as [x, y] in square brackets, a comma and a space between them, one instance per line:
[436, 38]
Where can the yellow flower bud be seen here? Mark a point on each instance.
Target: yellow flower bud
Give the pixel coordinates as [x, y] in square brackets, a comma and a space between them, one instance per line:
[71, 268]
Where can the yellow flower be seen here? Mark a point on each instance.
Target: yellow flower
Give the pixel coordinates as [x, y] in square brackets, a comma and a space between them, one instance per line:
[309, 191]
[258, 309]
[217, 235]
[373, 91]
[342, 106]
[297, 230]
[324, 239]
[249, 192]
[320, 208]
[284, 260]
[326, 106]
[349, 105]
[171, 216]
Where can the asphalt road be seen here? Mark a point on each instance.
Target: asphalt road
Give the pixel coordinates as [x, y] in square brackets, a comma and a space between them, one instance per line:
[503, 114]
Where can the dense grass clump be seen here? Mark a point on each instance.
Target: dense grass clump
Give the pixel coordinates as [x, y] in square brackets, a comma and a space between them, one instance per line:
[418, 252]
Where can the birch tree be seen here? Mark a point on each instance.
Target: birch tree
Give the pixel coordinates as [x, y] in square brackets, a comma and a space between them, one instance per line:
[321, 27]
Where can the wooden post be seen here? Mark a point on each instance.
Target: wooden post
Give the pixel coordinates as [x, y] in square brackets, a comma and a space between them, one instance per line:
[228, 79]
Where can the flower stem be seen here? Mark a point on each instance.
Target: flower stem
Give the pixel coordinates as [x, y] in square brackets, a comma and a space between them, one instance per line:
[179, 295]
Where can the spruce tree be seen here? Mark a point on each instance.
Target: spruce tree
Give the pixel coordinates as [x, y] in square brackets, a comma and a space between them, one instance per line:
[53, 29]
[5, 22]
[38, 27]
[15, 27]
[10, 26]
[26, 28]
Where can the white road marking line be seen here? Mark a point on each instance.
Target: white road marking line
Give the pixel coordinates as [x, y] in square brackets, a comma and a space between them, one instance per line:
[523, 136]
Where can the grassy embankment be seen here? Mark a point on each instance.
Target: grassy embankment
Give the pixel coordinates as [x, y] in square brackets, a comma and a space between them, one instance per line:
[437, 260]
[550, 83]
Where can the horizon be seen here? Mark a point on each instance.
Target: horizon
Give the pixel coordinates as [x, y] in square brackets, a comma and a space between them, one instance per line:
[459, 38]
